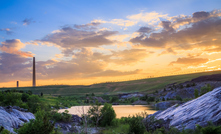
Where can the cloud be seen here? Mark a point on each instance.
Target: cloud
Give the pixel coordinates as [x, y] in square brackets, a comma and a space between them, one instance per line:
[148, 17]
[168, 51]
[7, 31]
[13, 46]
[196, 17]
[144, 30]
[200, 34]
[113, 73]
[27, 21]
[70, 39]
[88, 26]
[189, 61]
[14, 67]
[122, 22]
[167, 26]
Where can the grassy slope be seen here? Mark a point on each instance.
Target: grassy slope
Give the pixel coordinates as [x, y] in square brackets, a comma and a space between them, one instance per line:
[144, 85]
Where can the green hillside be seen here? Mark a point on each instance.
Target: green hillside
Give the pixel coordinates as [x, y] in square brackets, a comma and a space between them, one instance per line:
[143, 85]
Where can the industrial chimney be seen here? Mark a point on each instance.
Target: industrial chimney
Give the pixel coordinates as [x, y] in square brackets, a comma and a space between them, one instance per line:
[34, 77]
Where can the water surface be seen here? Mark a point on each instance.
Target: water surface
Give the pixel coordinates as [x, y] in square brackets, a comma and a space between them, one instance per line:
[120, 110]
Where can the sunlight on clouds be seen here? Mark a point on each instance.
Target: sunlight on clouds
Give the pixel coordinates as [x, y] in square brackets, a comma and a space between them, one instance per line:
[136, 46]
[150, 18]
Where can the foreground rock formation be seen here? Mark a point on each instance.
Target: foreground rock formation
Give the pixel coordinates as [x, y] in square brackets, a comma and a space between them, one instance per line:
[198, 111]
[14, 117]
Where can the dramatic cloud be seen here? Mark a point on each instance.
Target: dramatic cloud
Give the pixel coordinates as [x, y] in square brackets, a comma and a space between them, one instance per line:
[189, 61]
[14, 67]
[7, 31]
[197, 16]
[69, 39]
[28, 21]
[13, 46]
[204, 30]
[91, 50]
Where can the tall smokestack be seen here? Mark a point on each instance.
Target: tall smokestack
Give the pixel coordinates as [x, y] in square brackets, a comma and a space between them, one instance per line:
[17, 83]
[34, 77]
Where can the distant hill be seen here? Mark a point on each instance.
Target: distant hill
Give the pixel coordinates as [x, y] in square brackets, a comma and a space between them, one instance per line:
[144, 85]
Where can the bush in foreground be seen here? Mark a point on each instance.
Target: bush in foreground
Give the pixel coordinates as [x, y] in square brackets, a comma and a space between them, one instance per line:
[108, 114]
[41, 125]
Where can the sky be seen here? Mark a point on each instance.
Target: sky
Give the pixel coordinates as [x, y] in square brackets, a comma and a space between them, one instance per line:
[82, 42]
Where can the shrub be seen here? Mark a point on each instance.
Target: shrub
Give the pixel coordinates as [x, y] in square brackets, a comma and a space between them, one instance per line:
[34, 103]
[114, 99]
[41, 125]
[196, 93]
[150, 99]
[136, 125]
[29, 92]
[178, 98]
[206, 89]
[163, 99]
[24, 97]
[108, 114]
[4, 131]
[188, 85]
[11, 98]
[57, 116]
[211, 130]
[65, 116]
[144, 98]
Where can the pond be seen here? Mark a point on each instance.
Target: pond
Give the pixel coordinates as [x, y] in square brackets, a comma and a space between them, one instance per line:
[120, 110]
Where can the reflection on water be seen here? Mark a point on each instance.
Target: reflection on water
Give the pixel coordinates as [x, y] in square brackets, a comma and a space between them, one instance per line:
[121, 110]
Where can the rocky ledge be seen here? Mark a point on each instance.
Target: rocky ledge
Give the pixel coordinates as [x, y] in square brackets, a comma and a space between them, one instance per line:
[14, 117]
[198, 111]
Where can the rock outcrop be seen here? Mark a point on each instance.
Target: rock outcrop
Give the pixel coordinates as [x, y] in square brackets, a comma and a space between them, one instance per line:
[130, 95]
[14, 117]
[198, 111]
[166, 104]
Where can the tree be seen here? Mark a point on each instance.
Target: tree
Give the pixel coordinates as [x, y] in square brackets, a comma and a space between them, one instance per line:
[108, 114]
[95, 113]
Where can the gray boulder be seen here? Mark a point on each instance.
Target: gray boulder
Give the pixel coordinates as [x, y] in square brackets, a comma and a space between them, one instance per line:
[11, 118]
[198, 111]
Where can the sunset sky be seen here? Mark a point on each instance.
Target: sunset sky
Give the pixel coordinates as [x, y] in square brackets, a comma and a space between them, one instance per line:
[91, 41]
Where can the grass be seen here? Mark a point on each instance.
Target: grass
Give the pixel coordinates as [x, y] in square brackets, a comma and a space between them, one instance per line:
[149, 85]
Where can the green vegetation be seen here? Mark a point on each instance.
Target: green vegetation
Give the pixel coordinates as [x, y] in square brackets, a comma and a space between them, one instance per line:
[108, 114]
[149, 85]
[206, 89]
[196, 93]
[41, 125]
[62, 117]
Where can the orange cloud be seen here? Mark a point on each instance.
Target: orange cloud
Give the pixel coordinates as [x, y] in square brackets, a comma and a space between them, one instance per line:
[13, 47]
